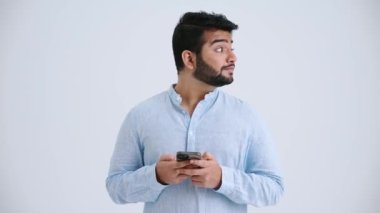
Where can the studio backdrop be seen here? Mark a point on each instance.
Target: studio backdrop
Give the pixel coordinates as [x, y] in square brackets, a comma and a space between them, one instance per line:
[71, 70]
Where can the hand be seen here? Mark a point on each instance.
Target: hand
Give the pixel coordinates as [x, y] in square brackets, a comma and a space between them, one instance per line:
[209, 173]
[167, 170]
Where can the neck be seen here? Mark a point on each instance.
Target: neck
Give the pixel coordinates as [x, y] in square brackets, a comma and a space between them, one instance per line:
[192, 91]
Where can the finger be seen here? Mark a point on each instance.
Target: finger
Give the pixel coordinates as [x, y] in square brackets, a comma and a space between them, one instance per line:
[191, 172]
[188, 172]
[167, 157]
[197, 178]
[199, 163]
[207, 156]
[182, 177]
[197, 183]
[181, 164]
[191, 166]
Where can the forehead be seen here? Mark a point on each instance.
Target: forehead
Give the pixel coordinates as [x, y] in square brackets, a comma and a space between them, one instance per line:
[212, 36]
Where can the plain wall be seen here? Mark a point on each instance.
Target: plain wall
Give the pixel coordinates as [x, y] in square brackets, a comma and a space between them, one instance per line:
[71, 70]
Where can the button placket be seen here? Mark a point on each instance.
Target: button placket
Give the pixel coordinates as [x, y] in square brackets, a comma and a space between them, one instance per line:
[191, 137]
[191, 146]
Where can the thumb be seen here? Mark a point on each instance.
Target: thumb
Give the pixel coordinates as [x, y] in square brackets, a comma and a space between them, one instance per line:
[166, 157]
[207, 156]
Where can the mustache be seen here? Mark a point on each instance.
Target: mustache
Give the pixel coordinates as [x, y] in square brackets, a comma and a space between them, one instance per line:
[228, 66]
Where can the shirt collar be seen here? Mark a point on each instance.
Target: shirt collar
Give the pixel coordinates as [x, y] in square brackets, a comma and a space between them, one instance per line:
[177, 99]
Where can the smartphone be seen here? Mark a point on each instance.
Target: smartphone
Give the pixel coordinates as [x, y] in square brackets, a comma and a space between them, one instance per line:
[182, 156]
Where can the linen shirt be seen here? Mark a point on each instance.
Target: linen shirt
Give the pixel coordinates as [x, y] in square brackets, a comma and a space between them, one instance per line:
[222, 125]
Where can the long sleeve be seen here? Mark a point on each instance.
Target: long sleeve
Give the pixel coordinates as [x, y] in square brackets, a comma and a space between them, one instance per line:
[260, 183]
[129, 180]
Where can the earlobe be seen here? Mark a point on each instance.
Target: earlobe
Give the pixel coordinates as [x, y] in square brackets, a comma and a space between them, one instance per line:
[188, 59]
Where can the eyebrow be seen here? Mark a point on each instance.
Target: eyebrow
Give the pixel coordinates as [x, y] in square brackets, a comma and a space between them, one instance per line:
[221, 40]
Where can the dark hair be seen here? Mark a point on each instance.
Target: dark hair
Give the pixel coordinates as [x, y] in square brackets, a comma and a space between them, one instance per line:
[189, 31]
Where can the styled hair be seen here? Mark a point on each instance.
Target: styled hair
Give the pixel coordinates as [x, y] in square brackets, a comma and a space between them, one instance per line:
[188, 34]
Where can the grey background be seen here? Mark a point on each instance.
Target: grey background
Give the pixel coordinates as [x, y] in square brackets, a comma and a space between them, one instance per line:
[71, 70]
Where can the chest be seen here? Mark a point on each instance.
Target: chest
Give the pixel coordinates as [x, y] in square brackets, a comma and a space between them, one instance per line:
[225, 137]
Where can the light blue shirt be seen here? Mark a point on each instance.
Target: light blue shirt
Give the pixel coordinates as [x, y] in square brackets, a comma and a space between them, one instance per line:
[222, 125]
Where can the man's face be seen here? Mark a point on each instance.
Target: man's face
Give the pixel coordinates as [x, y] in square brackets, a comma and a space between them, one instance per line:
[216, 62]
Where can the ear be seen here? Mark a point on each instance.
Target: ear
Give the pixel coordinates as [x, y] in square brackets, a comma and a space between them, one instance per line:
[189, 59]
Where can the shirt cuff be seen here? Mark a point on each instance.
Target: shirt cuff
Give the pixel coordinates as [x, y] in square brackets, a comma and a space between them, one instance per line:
[228, 181]
[152, 179]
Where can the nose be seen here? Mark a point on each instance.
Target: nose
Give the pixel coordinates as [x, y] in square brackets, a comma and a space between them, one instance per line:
[231, 57]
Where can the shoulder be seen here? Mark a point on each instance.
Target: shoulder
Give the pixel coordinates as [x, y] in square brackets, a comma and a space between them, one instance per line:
[236, 108]
[144, 111]
[249, 116]
[152, 103]
[147, 108]
[236, 103]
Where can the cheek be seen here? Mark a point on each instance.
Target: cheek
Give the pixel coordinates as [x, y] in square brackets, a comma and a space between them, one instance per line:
[217, 65]
[215, 62]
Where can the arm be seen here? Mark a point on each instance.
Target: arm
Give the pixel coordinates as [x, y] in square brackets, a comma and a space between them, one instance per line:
[256, 187]
[260, 183]
[259, 187]
[129, 180]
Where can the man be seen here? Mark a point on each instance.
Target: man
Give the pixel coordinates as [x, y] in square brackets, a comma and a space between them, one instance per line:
[238, 166]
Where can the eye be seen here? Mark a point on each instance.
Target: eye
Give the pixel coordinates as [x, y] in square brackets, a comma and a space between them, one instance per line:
[219, 49]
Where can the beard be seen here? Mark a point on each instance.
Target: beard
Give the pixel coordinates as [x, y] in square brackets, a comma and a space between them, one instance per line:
[209, 75]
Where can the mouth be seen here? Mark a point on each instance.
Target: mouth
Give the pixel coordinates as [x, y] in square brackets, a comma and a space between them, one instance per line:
[229, 68]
